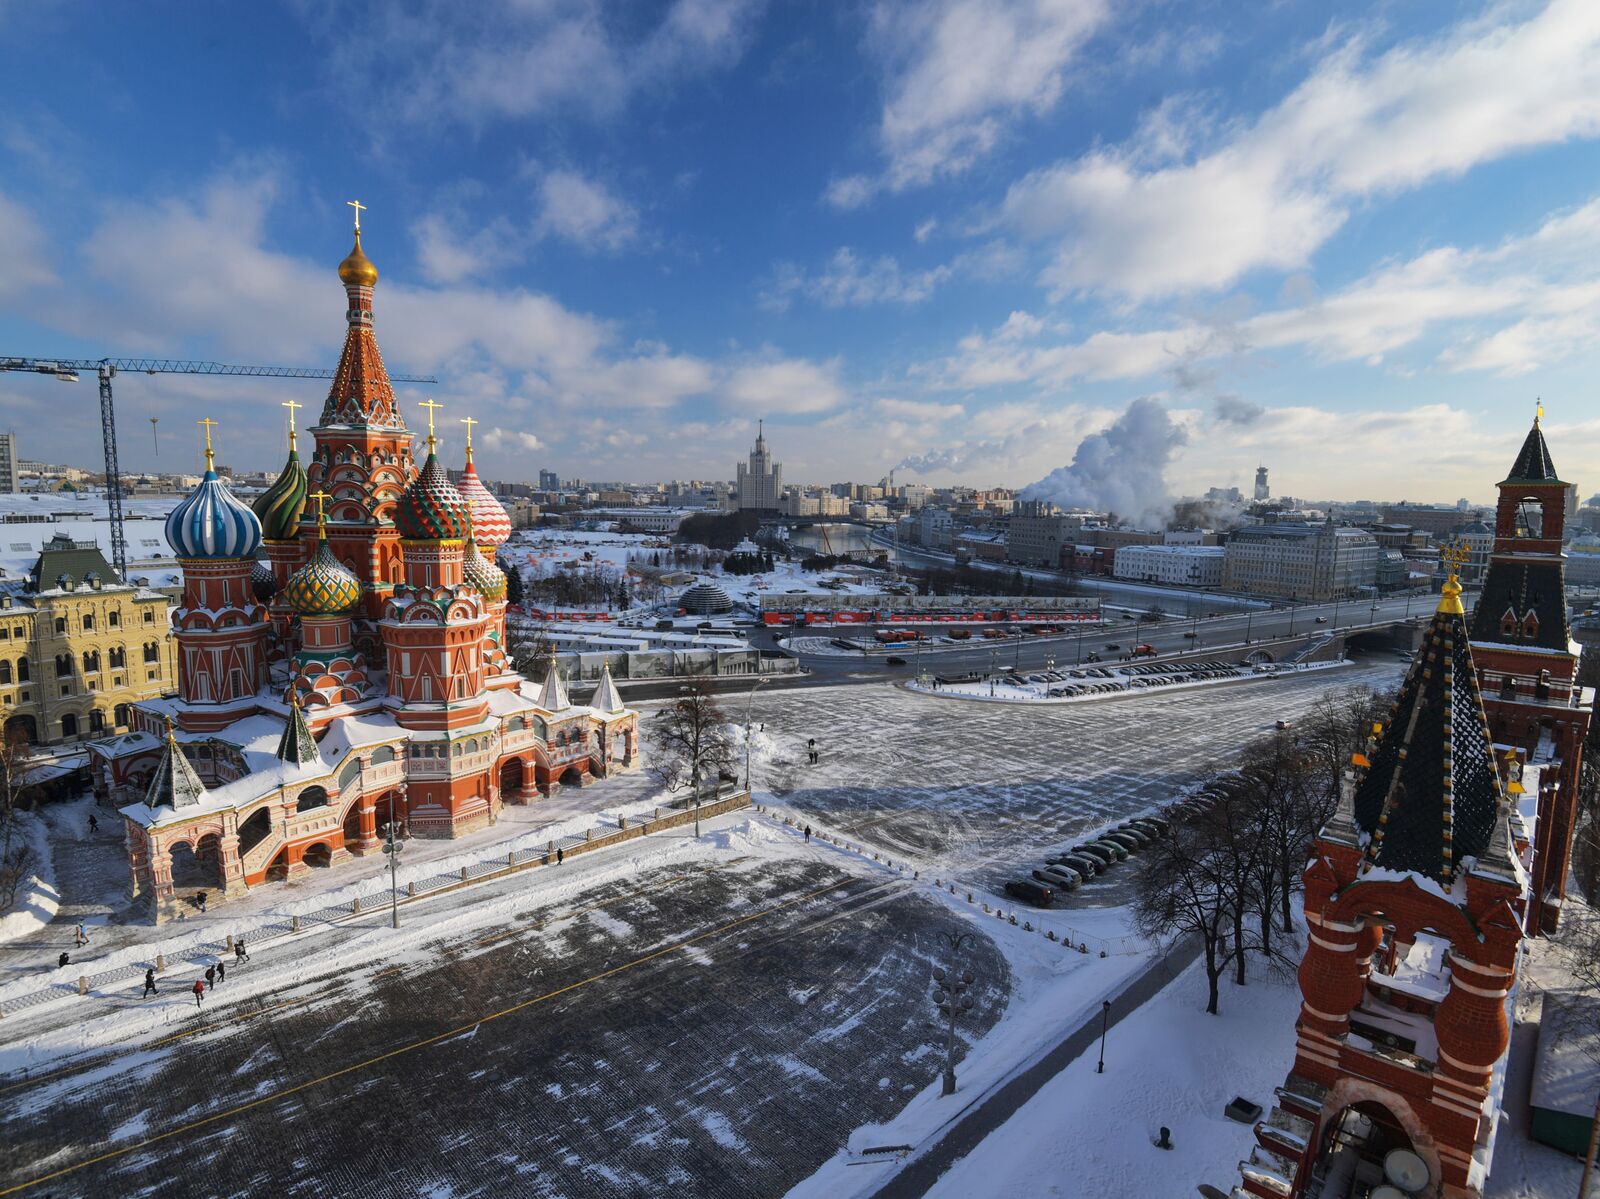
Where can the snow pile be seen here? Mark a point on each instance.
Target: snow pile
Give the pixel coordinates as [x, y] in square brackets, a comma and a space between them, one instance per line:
[37, 899]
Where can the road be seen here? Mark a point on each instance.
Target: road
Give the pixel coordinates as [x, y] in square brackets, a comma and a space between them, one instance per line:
[720, 1030]
[1030, 652]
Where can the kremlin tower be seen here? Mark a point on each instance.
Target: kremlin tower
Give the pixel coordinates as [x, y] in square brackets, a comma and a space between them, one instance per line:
[378, 688]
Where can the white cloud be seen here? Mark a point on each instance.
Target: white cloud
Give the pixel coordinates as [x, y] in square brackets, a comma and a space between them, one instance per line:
[24, 251]
[849, 280]
[512, 439]
[1149, 218]
[1509, 309]
[584, 211]
[959, 72]
[791, 386]
[439, 61]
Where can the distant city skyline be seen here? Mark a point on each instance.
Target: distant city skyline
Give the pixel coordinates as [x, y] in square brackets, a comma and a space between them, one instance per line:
[954, 239]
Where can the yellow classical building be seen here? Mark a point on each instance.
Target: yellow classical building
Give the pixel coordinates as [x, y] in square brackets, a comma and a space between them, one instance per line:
[78, 648]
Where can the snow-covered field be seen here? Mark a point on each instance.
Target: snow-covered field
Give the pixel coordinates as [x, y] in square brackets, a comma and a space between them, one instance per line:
[1114, 681]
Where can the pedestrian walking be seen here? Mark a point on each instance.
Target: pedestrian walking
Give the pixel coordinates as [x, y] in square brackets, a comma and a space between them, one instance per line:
[222, 971]
[149, 982]
[80, 937]
[94, 825]
[239, 953]
[808, 832]
[561, 855]
[211, 977]
[63, 960]
[199, 992]
[200, 898]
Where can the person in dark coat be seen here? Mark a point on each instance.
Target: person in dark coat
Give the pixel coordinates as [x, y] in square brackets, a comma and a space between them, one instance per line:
[211, 976]
[239, 954]
[808, 832]
[64, 959]
[94, 825]
[149, 982]
[222, 971]
[561, 855]
[200, 898]
[199, 992]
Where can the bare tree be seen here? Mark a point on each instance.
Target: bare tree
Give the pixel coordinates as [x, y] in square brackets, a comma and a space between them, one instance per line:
[1188, 885]
[531, 651]
[17, 859]
[691, 739]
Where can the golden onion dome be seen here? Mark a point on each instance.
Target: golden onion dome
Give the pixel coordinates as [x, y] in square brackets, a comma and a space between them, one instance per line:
[482, 575]
[322, 587]
[357, 268]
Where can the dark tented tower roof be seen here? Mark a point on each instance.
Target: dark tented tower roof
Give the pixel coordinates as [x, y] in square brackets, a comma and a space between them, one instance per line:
[175, 784]
[1431, 797]
[297, 746]
[1533, 463]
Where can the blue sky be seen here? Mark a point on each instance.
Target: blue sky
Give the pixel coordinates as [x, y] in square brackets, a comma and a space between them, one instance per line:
[954, 237]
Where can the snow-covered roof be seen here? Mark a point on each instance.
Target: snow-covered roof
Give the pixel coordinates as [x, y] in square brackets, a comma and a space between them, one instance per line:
[1565, 1070]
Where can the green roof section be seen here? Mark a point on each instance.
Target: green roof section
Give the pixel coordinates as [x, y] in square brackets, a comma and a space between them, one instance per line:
[63, 558]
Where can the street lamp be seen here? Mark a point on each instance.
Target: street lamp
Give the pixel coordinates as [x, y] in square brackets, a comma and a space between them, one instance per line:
[392, 847]
[694, 764]
[950, 995]
[1105, 1019]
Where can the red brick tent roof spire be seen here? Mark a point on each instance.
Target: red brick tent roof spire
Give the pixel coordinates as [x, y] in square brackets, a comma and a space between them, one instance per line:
[1431, 797]
[361, 393]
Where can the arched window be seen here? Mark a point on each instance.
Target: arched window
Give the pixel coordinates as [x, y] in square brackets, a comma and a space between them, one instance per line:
[383, 754]
[91, 662]
[97, 721]
[69, 726]
[152, 651]
[123, 715]
[118, 656]
[114, 618]
[5, 673]
[61, 626]
[311, 799]
[22, 670]
[63, 665]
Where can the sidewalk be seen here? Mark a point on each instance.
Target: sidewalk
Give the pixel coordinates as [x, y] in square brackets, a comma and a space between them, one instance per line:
[958, 1138]
[43, 1035]
[124, 951]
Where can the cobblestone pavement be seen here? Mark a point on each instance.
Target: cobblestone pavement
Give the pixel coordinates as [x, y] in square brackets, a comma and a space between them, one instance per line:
[719, 1030]
[979, 789]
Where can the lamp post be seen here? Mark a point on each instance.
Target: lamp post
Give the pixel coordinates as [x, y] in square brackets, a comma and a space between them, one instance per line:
[1105, 1019]
[749, 708]
[950, 995]
[392, 847]
[694, 762]
[1249, 615]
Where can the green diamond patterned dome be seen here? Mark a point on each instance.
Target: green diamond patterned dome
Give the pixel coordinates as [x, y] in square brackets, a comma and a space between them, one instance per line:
[280, 507]
[431, 508]
[322, 587]
[482, 575]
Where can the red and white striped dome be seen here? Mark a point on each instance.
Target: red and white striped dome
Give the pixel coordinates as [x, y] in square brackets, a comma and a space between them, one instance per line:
[490, 524]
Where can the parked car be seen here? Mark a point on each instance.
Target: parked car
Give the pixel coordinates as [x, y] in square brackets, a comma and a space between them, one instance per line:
[1084, 868]
[1284, 724]
[1031, 892]
[1112, 647]
[1127, 840]
[895, 660]
[1322, 620]
[1098, 852]
[1059, 877]
[1140, 837]
[1149, 826]
[1119, 852]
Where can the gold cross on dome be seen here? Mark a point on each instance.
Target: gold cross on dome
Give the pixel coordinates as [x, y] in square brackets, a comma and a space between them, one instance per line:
[206, 423]
[1452, 557]
[469, 421]
[322, 520]
[432, 408]
[291, 405]
[358, 206]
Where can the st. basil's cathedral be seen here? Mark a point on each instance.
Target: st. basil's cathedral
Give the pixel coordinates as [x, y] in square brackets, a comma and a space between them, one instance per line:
[356, 674]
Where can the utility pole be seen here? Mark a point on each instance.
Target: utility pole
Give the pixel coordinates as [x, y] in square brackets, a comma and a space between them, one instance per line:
[1105, 1019]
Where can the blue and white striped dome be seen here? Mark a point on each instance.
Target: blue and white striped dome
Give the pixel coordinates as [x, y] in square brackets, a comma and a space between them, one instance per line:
[211, 523]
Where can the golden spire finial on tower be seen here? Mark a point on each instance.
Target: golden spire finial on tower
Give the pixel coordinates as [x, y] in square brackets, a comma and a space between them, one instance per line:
[469, 421]
[206, 423]
[357, 269]
[1452, 558]
[431, 407]
[291, 405]
[359, 207]
[322, 519]
[1538, 412]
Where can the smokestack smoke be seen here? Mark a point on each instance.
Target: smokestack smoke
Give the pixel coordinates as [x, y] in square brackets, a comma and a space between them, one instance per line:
[1120, 469]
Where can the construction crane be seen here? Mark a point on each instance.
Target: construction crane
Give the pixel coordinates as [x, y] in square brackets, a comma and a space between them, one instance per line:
[68, 370]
